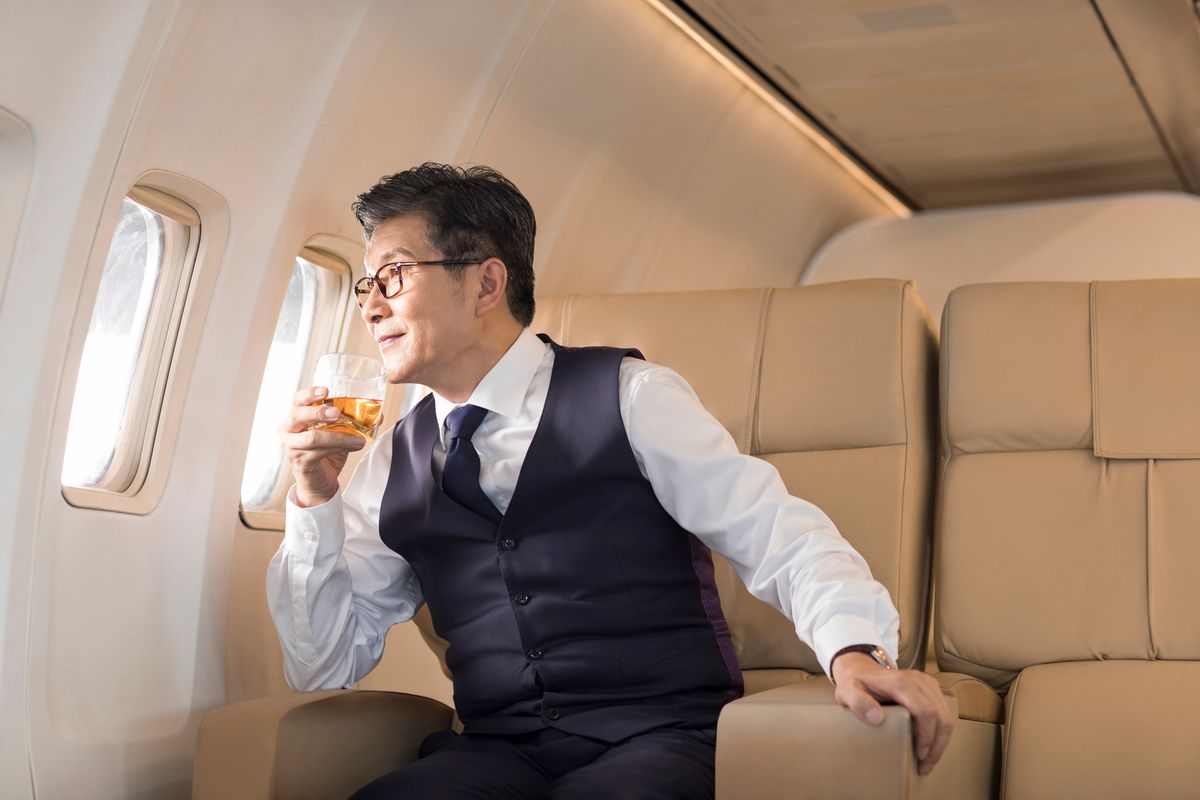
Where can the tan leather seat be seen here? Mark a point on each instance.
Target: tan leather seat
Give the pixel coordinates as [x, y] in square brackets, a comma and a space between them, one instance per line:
[834, 384]
[1068, 547]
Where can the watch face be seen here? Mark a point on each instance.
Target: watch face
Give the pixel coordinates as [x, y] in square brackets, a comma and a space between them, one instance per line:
[884, 660]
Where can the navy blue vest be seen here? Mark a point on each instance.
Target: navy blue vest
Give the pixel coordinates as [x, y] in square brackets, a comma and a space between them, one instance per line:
[587, 608]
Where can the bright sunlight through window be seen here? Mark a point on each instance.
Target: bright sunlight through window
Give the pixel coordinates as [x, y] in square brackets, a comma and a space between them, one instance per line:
[310, 324]
[120, 366]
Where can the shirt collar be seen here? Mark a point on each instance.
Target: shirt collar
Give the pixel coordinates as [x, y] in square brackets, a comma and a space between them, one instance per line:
[504, 387]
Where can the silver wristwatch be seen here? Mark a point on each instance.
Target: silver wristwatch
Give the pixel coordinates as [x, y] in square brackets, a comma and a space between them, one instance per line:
[882, 658]
[874, 651]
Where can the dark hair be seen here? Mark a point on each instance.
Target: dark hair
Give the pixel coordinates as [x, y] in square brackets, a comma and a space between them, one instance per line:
[472, 212]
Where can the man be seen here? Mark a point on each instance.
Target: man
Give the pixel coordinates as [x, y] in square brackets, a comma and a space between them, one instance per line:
[553, 507]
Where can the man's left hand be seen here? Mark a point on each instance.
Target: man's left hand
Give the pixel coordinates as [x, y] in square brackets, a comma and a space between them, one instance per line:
[862, 684]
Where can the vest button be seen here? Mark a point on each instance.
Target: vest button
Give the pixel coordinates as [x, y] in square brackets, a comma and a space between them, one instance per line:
[534, 652]
[520, 598]
[508, 544]
[552, 713]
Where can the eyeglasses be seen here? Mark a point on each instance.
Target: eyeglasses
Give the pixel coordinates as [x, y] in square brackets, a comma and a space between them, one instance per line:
[390, 279]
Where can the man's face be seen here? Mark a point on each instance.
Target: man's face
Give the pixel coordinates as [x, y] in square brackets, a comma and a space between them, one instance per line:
[422, 330]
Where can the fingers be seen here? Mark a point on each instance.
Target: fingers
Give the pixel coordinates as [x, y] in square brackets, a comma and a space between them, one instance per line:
[921, 696]
[303, 415]
[309, 395]
[301, 418]
[304, 444]
[932, 720]
[317, 458]
[943, 723]
[854, 696]
[320, 443]
[940, 742]
[307, 410]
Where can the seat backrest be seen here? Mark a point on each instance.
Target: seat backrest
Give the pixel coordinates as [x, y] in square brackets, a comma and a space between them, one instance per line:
[1068, 506]
[834, 385]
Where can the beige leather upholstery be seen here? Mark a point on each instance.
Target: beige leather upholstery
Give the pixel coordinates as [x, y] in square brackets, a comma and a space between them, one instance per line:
[974, 699]
[1143, 389]
[834, 384]
[796, 742]
[317, 745]
[1066, 544]
[1104, 730]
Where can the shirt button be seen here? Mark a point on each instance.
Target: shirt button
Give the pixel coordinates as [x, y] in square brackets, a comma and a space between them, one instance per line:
[508, 544]
[552, 713]
[521, 599]
[534, 652]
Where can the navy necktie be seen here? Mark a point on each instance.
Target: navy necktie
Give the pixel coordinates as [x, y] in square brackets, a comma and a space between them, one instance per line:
[460, 476]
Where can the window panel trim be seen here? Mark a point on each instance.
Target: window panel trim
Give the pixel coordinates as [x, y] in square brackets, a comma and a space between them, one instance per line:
[175, 357]
[164, 204]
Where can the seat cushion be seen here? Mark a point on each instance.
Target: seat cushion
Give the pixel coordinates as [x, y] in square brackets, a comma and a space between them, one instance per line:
[760, 680]
[1104, 729]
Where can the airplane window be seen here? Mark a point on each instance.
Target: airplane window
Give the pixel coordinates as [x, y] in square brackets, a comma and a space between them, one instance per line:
[310, 323]
[122, 370]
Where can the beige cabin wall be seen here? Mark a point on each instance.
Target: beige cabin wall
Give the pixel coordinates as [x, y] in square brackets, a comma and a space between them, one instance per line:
[1119, 237]
[74, 101]
[651, 167]
[115, 623]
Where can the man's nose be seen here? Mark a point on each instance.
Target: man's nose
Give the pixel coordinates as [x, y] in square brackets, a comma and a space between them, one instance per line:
[375, 306]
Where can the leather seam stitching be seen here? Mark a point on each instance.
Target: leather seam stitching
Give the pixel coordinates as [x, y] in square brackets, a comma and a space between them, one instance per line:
[752, 411]
[944, 408]
[565, 319]
[1118, 455]
[1149, 609]
[885, 446]
[1094, 330]
[904, 482]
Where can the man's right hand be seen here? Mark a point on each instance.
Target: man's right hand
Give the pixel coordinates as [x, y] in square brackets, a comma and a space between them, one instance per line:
[317, 456]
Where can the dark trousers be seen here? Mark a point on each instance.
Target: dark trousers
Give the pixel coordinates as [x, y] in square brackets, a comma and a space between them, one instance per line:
[657, 765]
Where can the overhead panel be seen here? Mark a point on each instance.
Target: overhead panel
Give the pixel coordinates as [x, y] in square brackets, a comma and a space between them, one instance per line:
[1160, 42]
[962, 102]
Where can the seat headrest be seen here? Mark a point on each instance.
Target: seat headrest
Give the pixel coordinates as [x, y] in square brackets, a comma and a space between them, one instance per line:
[1146, 368]
[808, 368]
[1109, 366]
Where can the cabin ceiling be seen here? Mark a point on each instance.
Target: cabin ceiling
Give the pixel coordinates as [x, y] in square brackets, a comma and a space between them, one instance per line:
[970, 102]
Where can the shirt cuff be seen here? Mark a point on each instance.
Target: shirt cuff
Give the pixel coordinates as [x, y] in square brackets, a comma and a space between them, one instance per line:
[845, 630]
[316, 531]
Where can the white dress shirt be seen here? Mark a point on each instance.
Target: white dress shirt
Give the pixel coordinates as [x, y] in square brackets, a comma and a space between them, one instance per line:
[334, 587]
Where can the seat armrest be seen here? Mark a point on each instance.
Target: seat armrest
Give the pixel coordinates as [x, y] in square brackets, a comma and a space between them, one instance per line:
[797, 742]
[310, 744]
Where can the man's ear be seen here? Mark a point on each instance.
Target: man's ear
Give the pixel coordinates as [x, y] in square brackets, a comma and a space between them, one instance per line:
[493, 286]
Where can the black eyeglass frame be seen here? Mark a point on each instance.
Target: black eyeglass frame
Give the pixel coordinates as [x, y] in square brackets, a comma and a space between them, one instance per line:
[363, 286]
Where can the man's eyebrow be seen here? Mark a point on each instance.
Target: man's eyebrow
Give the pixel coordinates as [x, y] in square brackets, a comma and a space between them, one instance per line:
[388, 257]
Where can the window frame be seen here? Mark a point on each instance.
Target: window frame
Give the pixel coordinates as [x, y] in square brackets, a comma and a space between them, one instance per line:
[179, 315]
[272, 518]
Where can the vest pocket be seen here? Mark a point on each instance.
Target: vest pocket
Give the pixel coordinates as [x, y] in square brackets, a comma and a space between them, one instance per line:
[661, 649]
